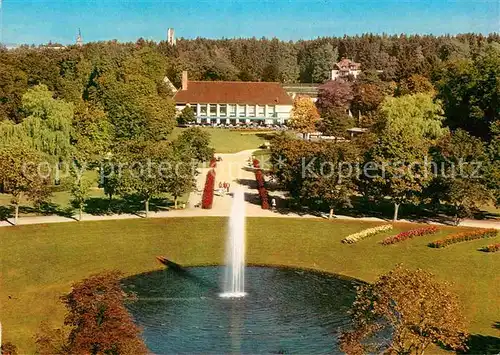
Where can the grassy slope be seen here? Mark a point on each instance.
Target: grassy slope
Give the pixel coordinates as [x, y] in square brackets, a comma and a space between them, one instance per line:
[39, 263]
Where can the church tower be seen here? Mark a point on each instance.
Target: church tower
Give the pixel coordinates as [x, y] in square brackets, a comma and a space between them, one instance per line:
[171, 36]
[79, 41]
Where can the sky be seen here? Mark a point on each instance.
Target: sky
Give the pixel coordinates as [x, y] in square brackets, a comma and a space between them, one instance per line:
[41, 21]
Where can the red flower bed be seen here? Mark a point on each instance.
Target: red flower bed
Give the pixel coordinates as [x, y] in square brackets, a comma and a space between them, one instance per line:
[213, 163]
[409, 234]
[464, 237]
[492, 248]
[208, 192]
[264, 198]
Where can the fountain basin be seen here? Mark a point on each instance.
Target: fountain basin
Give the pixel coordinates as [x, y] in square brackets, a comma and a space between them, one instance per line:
[284, 311]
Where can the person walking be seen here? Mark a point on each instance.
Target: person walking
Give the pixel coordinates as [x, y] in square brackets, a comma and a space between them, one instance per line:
[273, 203]
[228, 187]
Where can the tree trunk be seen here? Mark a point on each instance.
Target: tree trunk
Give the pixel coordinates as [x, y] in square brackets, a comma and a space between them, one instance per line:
[146, 203]
[304, 136]
[457, 214]
[110, 200]
[16, 214]
[175, 202]
[331, 213]
[396, 210]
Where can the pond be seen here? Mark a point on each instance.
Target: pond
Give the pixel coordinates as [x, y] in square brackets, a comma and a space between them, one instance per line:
[285, 311]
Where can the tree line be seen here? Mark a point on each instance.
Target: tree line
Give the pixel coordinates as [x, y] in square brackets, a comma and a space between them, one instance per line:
[408, 157]
[125, 80]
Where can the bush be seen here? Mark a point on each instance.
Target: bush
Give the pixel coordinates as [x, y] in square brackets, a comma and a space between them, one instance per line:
[409, 234]
[464, 237]
[356, 237]
[492, 248]
[208, 192]
[259, 177]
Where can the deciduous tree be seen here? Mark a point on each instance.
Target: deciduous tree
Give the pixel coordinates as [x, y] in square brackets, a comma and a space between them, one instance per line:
[186, 115]
[146, 172]
[181, 176]
[47, 126]
[195, 142]
[304, 116]
[79, 188]
[470, 89]
[404, 312]
[330, 176]
[415, 117]
[334, 95]
[463, 177]
[92, 134]
[22, 174]
[99, 321]
[395, 168]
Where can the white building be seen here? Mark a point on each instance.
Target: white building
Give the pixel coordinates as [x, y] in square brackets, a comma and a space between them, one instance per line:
[234, 102]
[344, 69]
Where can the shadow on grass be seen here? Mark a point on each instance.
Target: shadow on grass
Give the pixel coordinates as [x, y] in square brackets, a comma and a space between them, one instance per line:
[131, 204]
[483, 344]
[6, 212]
[44, 209]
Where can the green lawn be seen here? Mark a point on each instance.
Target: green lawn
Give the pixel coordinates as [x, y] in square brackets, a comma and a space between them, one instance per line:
[229, 141]
[40, 262]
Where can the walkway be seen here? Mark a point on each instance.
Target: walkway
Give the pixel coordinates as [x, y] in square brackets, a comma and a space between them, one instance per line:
[234, 169]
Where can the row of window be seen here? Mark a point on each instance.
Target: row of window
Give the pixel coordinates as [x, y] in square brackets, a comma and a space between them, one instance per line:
[232, 110]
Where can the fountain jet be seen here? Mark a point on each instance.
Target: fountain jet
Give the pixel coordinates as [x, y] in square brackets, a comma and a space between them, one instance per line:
[234, 283]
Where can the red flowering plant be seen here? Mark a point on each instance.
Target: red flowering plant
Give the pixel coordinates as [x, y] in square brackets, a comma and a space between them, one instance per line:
[464, 237]
[409, 234]
[213, 163]
[208, 192]
[259, 177]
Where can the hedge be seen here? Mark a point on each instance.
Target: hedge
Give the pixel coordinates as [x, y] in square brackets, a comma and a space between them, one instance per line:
[409, 234]
[464, 237]
[259, 177]
[208, 192]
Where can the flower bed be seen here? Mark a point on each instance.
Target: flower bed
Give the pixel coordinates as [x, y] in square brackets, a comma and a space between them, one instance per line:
[409, 234]
[208, 192]
[356, 237]
[464, 237]
[264, 198]
[492, 248]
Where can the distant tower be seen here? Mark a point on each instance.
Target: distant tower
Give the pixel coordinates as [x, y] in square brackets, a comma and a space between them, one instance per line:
[171, 36]
[79, 41]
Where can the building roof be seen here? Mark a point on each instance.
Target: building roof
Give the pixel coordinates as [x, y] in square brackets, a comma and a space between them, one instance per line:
[233, 92]
[346, 64]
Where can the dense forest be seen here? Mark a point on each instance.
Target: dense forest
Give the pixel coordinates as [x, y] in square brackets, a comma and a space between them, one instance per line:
[126, 79]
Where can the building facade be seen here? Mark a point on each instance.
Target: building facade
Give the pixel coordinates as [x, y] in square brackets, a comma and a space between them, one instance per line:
[344, 69]
[231, 102]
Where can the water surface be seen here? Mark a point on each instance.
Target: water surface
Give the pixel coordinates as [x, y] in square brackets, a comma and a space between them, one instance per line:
[285, 311]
